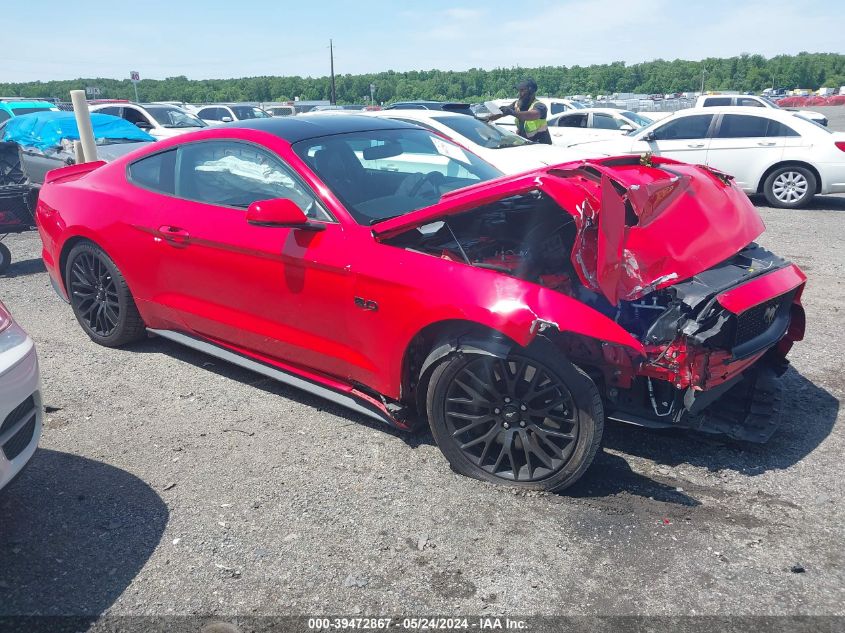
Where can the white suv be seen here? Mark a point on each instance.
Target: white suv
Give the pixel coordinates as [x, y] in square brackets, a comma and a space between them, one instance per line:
[158, 120]
[753, 101]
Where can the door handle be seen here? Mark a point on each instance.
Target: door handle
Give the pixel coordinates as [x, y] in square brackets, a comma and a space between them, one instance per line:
[697, 145]
[173, 234]
[766, 144]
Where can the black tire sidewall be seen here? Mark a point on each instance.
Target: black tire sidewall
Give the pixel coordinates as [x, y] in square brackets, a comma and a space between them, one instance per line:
[811, 187]
[124, 299]
[5, 258]
[584, 394]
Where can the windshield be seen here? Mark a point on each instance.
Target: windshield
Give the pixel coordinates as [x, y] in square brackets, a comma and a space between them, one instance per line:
[639, 119]
[381, 174]
[577, 105]
[482, 133]
[249, 112]
[771, 103]
[174, 117]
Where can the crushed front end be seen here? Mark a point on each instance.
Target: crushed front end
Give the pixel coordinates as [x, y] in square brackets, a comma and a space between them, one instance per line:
[715, 347]
[671, 307]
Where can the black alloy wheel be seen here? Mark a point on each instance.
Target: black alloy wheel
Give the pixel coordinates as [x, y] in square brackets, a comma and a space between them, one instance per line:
[100, 297]
[531, 420]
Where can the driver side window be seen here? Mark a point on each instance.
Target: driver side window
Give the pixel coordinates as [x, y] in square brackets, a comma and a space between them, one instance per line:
[688, 127]
[133, 116]
[209, 114]
[234, 174]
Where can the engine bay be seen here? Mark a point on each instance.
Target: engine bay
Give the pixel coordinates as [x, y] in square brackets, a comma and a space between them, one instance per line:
[531, 237]
[526, 236]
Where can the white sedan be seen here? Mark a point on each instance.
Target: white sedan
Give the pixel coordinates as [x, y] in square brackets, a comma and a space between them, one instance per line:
[786, 158]
[591, 124]
[21, 409]
[505, 150]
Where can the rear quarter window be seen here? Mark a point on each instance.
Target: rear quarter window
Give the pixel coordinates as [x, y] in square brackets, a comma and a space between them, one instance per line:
[155, 172]
[776, 128]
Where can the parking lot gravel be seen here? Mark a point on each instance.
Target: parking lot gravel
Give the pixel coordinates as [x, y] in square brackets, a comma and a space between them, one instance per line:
[169, 482]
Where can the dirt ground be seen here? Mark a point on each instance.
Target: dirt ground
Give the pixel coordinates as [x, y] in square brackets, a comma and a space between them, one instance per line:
[169, 482]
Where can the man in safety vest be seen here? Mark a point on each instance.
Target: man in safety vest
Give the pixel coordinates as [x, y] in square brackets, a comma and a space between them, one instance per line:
[529, 113]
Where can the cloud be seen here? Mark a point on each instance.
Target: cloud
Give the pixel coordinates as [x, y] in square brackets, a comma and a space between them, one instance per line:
[458, 13]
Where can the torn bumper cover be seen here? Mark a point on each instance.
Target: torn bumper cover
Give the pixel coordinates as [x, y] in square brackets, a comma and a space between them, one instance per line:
[715, 353]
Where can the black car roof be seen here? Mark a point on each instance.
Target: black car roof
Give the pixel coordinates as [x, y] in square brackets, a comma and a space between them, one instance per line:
[298, 128]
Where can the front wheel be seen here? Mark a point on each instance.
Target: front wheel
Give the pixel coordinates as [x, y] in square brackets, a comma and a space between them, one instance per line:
[100, 298]
[532, 420]
[790, 187]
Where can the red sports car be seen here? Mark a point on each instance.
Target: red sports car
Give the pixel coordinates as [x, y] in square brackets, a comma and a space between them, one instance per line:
[382, 266]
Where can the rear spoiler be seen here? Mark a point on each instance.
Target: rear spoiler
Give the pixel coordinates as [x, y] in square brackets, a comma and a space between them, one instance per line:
[64, 173]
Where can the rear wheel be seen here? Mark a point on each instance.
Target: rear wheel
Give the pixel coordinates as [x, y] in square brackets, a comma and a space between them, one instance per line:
[532, 420]
[790, 187]
[5, 258]
[100, 298]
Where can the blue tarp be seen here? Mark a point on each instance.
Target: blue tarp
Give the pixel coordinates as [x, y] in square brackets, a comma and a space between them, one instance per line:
[45, 130]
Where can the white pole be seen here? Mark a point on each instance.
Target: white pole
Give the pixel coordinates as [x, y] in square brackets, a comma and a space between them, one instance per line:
[83, 122]
[79, 156]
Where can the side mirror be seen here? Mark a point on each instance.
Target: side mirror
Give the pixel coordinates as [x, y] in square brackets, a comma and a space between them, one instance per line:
[626, 128]
[226, 119]
[648, 138]
[143, 125]
[280, 213]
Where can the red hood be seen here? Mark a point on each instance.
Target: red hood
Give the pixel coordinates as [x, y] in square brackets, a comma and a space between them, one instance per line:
[640, 226]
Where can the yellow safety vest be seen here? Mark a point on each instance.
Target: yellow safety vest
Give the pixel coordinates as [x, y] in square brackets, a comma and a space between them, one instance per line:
[532, 127]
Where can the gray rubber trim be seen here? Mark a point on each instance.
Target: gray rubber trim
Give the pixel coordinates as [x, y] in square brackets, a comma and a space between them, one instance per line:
[271, 372]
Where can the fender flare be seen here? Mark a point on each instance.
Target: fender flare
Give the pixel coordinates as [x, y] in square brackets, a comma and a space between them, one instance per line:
[471, 344]
[468, 343]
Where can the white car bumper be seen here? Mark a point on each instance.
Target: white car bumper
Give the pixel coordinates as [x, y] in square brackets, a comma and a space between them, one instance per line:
[833, 177]
[21, 408]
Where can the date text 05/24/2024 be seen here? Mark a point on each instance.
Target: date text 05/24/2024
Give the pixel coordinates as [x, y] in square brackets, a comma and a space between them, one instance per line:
[417, 624]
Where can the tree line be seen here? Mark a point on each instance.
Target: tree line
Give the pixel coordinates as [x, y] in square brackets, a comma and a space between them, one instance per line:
[742, 73]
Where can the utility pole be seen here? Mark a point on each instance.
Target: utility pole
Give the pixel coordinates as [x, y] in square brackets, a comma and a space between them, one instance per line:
[331, 60]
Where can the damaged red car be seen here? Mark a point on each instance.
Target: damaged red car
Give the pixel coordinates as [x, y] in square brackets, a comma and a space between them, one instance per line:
[382, 266]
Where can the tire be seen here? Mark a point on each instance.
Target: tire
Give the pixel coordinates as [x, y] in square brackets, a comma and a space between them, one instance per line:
[5, 258]
[790, 187]
[489, 426]
[100, 298]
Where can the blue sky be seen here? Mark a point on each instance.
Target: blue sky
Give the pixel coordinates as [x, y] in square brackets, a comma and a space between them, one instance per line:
[232, 39]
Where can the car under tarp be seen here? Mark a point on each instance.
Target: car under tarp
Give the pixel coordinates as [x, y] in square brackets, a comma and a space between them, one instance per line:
[47, 130]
